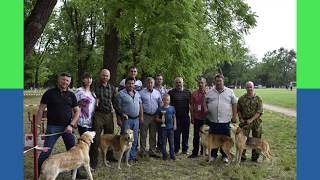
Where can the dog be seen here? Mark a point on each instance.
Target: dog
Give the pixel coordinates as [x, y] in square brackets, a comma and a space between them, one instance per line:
[243, 142]
[77, 156]
[119, 144]
[212, 141]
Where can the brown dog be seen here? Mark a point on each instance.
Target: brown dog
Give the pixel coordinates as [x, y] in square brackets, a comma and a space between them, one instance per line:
[77, 156]
[243, 142]
[119, 144]
[213, 141]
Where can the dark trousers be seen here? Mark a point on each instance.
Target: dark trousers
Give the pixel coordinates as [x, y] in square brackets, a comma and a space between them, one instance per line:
[196, 137]
[183, 125]
[159, 137]
[101, 121]
[167, 134]
[256, 129]
[219, 128]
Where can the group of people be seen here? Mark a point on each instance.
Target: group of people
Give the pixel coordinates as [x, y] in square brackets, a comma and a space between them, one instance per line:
[163, 114]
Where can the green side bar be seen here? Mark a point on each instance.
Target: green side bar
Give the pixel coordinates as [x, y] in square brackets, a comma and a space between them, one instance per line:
[308, 50]
[11, 44]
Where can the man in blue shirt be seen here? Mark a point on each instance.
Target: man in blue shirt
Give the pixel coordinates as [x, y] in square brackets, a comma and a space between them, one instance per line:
[131, 105]
[151, 100]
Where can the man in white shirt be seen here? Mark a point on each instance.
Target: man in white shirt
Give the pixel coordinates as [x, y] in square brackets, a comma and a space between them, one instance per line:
[221, 108]
[133, 72]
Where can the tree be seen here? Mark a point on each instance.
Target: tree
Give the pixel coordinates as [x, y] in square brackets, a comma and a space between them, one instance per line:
[35, 23]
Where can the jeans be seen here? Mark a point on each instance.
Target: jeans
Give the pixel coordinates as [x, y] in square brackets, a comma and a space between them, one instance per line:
[134, 125]
[183, 125]
[219, 128]
[167, 134]
[196, 137]
[68, 139]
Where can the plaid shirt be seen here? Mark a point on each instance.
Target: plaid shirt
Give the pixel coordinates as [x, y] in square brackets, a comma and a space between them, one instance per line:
[107, 98]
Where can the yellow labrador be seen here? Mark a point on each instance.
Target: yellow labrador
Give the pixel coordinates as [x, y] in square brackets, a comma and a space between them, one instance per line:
[77, 156]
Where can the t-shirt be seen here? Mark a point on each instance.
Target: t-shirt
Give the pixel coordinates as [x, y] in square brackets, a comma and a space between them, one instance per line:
[59, 105]
[170, 111]
[181, 102]
[86, 102]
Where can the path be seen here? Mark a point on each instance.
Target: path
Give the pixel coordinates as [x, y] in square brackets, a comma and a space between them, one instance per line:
[285, 111]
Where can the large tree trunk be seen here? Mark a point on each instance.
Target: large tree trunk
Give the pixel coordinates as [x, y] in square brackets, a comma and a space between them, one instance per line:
[35, 23]
[111, 54]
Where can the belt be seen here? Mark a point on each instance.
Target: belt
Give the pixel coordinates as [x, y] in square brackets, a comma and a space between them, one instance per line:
[149, 114]
[130, 117]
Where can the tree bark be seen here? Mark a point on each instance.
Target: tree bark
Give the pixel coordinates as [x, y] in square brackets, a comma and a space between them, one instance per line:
[111, 51]
[111, 54]
[35, 24]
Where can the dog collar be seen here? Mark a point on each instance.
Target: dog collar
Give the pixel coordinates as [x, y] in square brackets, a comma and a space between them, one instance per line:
[84, 142]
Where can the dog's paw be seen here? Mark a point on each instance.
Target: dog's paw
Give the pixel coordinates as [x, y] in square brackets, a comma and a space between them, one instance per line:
[119, 167]
[128, 165]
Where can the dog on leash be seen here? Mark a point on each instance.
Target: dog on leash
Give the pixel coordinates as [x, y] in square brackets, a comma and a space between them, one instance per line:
[212, 141]
[243, 142]
[77, 156]
[119, 144]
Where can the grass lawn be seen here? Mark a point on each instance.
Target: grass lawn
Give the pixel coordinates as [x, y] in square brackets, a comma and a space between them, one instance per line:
[279, 97]
[278, 129]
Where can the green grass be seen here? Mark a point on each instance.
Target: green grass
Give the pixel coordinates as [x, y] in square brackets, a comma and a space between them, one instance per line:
[279, 97]
[279, 130]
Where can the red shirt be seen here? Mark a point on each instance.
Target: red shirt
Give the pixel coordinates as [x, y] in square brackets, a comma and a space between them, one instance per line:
[197, 99]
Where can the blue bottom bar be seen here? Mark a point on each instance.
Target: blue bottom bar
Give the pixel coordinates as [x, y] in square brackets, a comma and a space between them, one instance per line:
[308, 129]
[11, 133]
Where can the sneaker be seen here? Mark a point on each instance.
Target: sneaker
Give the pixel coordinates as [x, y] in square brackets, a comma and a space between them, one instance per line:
[132, 161]
[225, 160]
[173, 158]
[254, 160]
[154, 154]
[185, 152]
[192, 156]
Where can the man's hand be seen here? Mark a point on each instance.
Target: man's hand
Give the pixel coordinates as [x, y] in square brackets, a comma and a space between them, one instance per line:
[141, 120]
[234, 120]
[68, 129]
[175, 127]
[249, 121]
[125, 116]
[241, 120]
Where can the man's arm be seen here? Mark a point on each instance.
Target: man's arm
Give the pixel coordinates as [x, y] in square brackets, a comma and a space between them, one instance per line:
[234, 113]
[174, 122]
[40, 111]
[74, 120]
[141, 113]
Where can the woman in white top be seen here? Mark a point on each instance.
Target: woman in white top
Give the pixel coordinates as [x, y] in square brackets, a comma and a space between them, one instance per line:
[87, 103]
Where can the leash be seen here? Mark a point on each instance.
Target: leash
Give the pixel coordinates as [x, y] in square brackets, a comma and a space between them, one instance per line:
[53, 134]
[44, 149]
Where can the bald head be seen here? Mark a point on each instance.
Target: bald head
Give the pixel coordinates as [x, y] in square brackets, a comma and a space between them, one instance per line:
[250, 88]
[104, 76]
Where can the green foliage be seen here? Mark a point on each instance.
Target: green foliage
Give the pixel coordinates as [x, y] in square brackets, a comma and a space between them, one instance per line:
[175, 38]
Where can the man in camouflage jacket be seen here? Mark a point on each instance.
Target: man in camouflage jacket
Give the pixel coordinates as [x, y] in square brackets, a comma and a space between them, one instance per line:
[249, 111]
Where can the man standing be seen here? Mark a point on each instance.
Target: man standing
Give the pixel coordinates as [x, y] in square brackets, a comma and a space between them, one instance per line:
[221, 105]
[151, 100]
[163, 90]
[158, 85]
[63, 114]
[131, 105]
[181, 99]
[103, 117]
[249, 112]
[133, 72]
[197, 114]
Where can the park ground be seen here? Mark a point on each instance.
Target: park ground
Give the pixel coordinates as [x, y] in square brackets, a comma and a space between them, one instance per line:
[279, 130]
